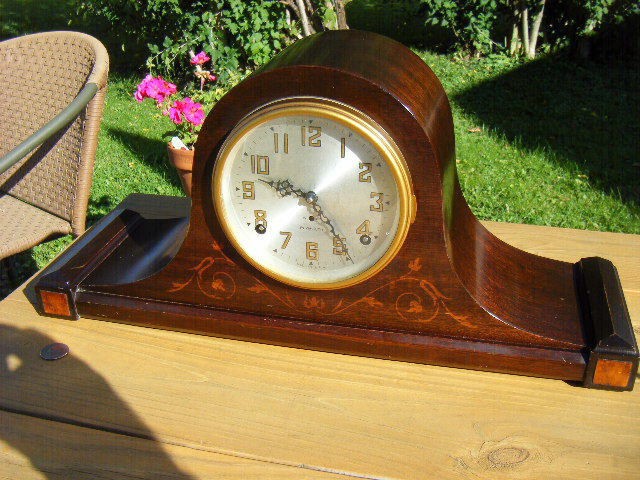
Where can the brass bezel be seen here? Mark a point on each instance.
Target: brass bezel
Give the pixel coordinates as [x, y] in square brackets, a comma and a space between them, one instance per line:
[354, 119]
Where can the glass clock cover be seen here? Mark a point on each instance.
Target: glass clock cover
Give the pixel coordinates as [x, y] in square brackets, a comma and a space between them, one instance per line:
[312, 193]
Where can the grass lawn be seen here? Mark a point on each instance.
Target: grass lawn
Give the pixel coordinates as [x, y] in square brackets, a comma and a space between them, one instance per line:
[548, 142]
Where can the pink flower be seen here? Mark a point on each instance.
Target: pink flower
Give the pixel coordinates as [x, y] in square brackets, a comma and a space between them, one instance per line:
[187, 110]
[157, 88]
[200, 58]
[174, 115]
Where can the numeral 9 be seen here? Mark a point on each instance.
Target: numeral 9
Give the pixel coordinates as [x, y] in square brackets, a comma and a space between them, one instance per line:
[248, 191]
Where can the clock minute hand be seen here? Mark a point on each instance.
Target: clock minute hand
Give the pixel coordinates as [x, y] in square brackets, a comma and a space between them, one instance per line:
[312, 199]
[285, 188]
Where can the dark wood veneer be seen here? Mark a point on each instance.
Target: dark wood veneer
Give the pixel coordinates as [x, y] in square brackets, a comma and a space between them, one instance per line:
[454, 295]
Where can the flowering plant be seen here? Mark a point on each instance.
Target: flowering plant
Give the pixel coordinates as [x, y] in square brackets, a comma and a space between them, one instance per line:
[186, 114]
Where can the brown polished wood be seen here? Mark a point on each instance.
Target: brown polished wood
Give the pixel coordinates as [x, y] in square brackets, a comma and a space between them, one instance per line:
[454, 294]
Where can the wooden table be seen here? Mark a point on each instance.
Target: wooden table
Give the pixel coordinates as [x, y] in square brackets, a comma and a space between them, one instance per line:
[131, 402]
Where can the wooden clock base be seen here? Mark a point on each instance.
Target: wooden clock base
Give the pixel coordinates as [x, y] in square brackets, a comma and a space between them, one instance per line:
[141, 236]
[452, 294]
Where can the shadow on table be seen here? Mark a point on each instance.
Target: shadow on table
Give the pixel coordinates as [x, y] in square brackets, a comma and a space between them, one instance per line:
[56, 390]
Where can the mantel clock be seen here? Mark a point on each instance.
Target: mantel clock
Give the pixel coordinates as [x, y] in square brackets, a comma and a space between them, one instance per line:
[326, 214]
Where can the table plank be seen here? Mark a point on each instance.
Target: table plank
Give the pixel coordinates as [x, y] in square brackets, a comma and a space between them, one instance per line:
[571, 245]
[32, 448]
[363, 417]
[366, 417]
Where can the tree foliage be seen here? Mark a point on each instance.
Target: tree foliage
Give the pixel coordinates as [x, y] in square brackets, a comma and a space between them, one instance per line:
[238, 35]
[470, 22]
[481, 27]
[315, 15]
[520, 26]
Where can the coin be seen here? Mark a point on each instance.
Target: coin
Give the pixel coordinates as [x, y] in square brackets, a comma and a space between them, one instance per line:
[54, 351]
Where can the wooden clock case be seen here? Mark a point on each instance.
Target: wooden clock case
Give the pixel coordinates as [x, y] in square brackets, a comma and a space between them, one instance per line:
[454, 295]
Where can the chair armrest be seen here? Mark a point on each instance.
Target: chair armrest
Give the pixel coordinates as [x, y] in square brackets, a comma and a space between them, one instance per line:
[60, 121]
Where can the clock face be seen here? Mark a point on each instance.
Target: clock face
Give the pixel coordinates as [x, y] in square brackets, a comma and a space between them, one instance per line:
[313, 193]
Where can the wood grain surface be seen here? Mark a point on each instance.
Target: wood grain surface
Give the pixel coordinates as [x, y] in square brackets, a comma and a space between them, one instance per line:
[570, 245]
[353, 416]
[32, 448]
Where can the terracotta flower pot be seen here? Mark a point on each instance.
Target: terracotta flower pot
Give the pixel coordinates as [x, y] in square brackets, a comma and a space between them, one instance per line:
[183, 161]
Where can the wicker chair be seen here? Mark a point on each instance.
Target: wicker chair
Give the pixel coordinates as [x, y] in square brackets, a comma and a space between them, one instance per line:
[52, 89]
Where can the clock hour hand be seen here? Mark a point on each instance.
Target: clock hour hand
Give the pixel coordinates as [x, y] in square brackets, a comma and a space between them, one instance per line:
[285, 188]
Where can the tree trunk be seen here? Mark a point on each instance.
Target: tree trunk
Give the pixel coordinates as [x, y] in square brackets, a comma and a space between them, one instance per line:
[342, 14]
[307, 29]
[533, 40]
[294, 8]
[287, 13]
[524, 13]
[515, 37]
[310, 8]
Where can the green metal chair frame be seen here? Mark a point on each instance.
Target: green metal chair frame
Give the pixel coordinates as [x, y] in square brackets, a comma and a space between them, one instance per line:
[52, 88]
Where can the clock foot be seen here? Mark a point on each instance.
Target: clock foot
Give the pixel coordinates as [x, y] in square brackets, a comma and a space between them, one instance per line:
[613, 359]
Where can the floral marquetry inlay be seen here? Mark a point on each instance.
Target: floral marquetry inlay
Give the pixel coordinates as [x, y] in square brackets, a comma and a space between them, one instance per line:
[413, 297]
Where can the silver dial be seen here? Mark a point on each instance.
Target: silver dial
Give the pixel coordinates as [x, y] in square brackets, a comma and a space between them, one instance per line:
[312, 194]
